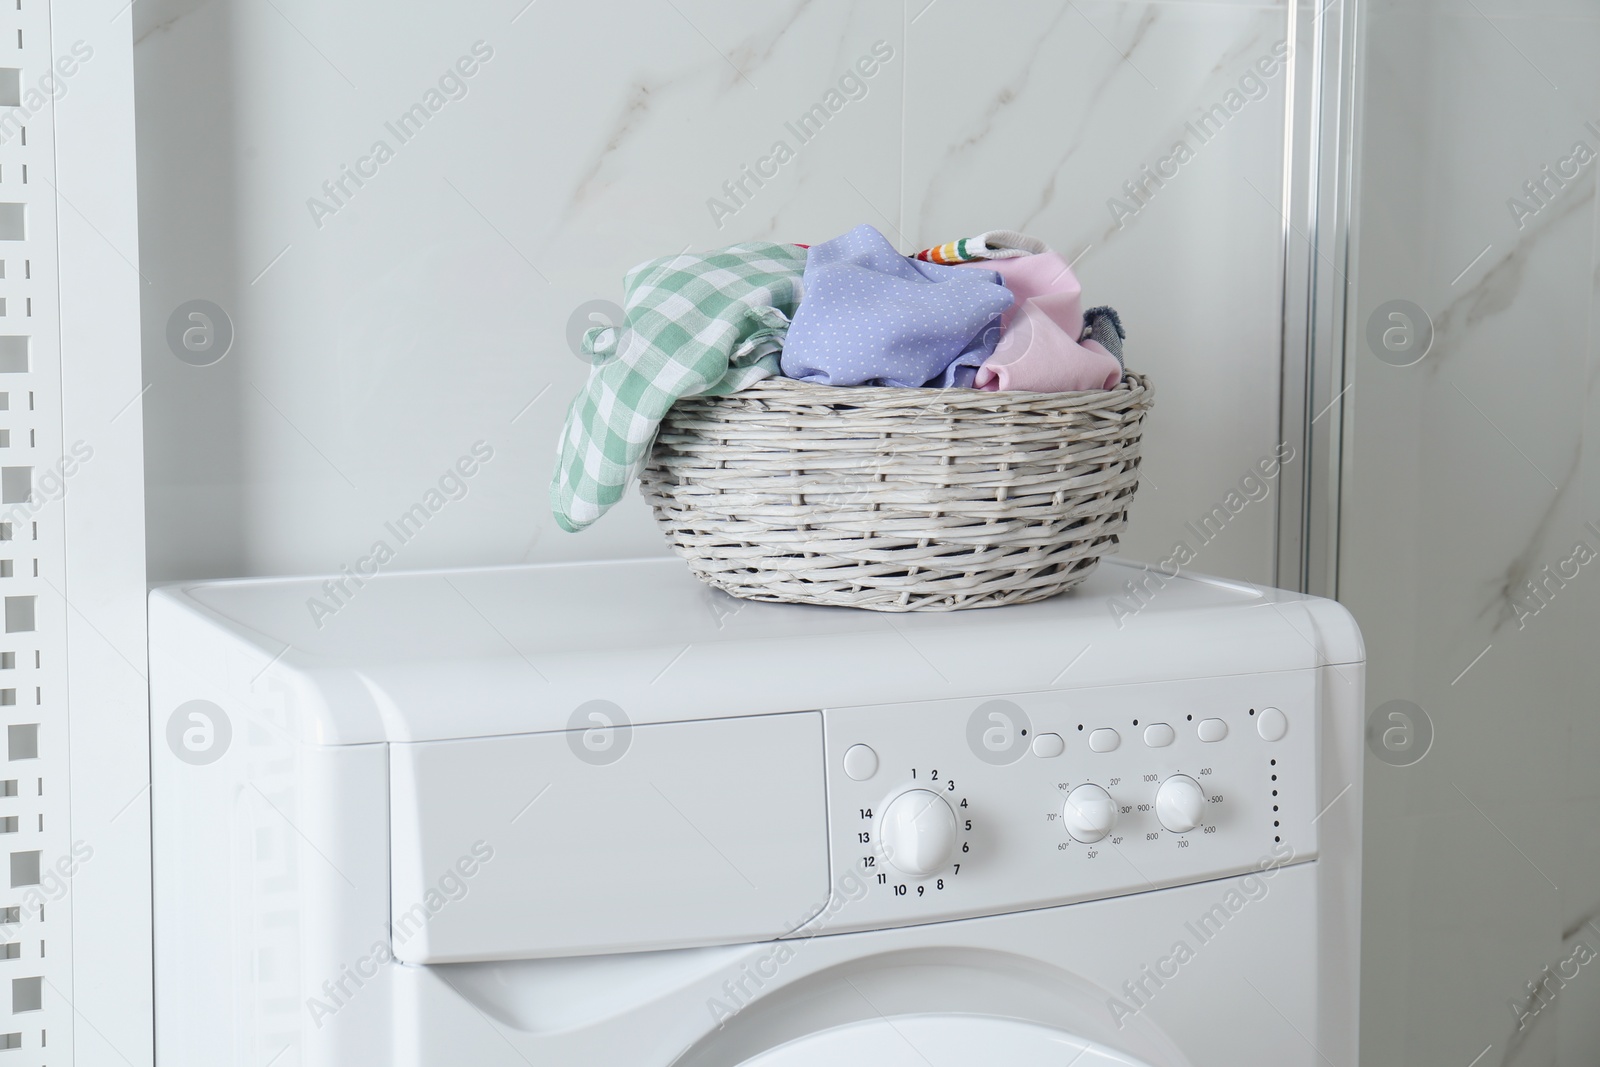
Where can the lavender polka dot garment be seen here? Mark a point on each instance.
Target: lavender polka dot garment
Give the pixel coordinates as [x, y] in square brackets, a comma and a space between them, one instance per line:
[870, 316]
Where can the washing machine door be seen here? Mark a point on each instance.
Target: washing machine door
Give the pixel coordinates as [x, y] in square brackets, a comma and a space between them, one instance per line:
[941, 1041]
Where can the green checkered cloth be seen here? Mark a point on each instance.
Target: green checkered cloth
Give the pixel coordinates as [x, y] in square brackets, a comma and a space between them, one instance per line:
[694, 324]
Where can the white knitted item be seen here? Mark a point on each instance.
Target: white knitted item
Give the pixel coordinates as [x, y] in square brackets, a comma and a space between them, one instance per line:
[1004, 244]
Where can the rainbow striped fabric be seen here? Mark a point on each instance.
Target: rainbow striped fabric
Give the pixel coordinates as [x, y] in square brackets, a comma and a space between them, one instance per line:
[995, 244]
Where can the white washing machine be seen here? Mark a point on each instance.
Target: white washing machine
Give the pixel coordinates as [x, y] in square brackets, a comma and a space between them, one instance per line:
[600, 814]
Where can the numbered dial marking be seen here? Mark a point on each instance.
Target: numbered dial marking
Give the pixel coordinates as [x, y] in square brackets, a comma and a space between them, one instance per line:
[918, 834]
[1089, 813]
[1180, 804]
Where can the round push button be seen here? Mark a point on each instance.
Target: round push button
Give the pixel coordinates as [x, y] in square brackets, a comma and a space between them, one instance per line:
[1272, 724]
[860, 762]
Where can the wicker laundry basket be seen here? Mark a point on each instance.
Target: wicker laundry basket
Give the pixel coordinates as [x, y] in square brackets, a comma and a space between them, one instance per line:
[897, 499]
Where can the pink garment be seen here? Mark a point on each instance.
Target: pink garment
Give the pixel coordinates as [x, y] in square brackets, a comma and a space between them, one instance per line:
[1039, 349]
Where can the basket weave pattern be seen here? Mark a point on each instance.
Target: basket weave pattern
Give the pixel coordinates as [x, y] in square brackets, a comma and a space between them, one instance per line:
[896, 499]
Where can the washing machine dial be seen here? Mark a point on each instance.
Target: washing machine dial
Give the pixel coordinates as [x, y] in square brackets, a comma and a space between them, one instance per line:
[1089, 813]
[918, 833]
[1180, 804]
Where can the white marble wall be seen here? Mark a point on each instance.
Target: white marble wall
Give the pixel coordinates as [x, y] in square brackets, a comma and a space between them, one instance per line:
[430, 311]
[1468, 473]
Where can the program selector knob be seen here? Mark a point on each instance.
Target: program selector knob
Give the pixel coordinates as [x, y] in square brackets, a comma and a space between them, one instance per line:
[1089, 813]
[918, 833]
[1180, 804]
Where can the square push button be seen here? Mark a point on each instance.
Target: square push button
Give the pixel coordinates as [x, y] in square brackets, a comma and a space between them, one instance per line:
[1104, 740]
[1213, 729]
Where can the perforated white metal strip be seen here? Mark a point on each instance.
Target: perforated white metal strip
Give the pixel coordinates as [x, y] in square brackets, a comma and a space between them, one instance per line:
[35, 824]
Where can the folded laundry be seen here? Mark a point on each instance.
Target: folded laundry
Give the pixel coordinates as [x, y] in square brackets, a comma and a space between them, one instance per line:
[995, 244]
[873, 316]
[694, 324]
[1039, 348]
[960, 374]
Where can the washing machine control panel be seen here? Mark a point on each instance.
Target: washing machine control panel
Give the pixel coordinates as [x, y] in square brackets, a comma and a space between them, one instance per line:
[957, 808]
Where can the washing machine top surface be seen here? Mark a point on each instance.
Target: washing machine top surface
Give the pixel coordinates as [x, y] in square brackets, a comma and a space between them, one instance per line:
[479, 652]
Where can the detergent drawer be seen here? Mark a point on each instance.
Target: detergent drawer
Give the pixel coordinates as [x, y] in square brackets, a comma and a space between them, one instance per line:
[607, 840]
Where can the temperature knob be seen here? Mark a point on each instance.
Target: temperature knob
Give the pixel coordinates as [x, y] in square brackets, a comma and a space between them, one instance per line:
[1089, 813]
[918, 833]
[1180, 804]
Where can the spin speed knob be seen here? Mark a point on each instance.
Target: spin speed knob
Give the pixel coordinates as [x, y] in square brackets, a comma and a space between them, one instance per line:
[1089, 813]
[918, 833]
[1180, 804]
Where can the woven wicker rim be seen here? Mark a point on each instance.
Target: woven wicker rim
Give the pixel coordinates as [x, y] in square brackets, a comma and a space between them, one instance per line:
[1131, 390]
